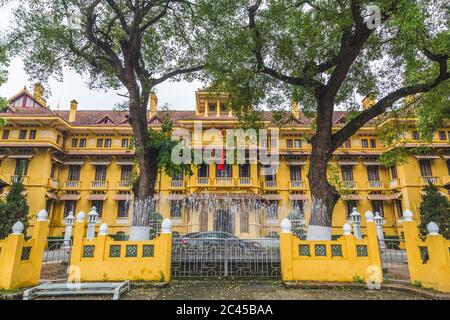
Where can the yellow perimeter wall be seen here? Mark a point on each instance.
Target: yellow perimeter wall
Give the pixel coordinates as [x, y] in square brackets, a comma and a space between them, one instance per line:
[95, 261]
[429, 259]
[20, 260]
[359, 259]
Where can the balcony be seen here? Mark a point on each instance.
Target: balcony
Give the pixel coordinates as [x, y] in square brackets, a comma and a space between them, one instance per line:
[394, 183]
[203, 181]
[123, 184]
[72, 184]
[99, 184]
[375, 184]
[224, 182]
[245, 181]
[23, 179]
[427, 180]
[297, 184]
[349, 184]
[177, 184]
[53, 183]
[270, 184]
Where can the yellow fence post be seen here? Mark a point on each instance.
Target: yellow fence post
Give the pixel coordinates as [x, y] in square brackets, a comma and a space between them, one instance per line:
[286, 250]
[411, 232]
[77, 246]
[374, 270]
[11, 257]
[165, 252]
[349, 242]
[372, 239]
[40, 233]
[437, 251]
[100, 243]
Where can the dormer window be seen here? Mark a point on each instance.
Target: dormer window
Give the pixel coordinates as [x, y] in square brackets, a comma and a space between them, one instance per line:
[223, 108]
[212, 108]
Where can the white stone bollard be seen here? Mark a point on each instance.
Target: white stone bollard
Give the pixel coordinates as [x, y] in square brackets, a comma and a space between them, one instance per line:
[18, 227]
[69, 221]
[103, 231]
[166, 226]
[92, 221]
[355, 218]
[380, 221]
[408, 215]
[347, 229]
[433, 229]
[286, 226]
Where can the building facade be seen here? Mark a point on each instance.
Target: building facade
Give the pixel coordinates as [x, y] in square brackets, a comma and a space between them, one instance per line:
[71, 161]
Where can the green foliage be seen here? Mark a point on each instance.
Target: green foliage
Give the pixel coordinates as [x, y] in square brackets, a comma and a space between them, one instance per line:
[335, 179]
[14, 209]
[434, 207]
[160, 142]
[358, 279]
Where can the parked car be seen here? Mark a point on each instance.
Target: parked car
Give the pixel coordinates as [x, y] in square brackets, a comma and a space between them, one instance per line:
[218, 239]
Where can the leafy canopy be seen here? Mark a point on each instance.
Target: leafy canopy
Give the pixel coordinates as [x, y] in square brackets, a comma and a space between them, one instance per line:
[434, 207]
[269, 52]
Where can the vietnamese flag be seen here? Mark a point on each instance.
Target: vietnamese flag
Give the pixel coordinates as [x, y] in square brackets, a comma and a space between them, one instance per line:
[221, 166]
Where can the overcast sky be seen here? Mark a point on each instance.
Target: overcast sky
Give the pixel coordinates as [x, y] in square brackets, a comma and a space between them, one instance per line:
[179, 95]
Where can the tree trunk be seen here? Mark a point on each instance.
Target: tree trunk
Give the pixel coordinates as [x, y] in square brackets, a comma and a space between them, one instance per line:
[144, 188]
[323, 198]
[323, 195]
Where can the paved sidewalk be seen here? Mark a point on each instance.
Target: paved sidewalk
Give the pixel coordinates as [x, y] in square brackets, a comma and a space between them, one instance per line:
[264, 290]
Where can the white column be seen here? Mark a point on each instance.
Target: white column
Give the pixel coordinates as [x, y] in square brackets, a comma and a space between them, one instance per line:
[379, 221]
[69, 221]
[92, 221]
[355, 218]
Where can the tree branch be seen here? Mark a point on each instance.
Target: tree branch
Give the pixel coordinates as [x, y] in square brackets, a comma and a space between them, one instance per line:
[382, 105]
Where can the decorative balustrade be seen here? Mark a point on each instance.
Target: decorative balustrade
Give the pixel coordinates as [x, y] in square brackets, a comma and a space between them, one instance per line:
[243, 181]
[297, 184]
[99, 184]
[177, 183]
[375, 184]
[350, 184]
[224, 181]
[72, 184]
[123, 184]
[53, 183]
[19, 178]
[203, 181]
[270, 184]
[427, 180]
[394, 183]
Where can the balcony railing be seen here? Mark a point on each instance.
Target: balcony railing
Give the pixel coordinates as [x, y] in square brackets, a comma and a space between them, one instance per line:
[270, 184]
[427, 180]
[375, 184]
[350, 184]
[72, 184]
[394, 183]
[16, 178]
[245, 181]
[177, 184]
[53, 183]
[123, 184]
[297, 184]
[203, 181]
[224, 181]
[98, 184]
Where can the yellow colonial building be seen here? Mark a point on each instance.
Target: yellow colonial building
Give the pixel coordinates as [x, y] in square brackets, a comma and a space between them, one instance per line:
[71, 161]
